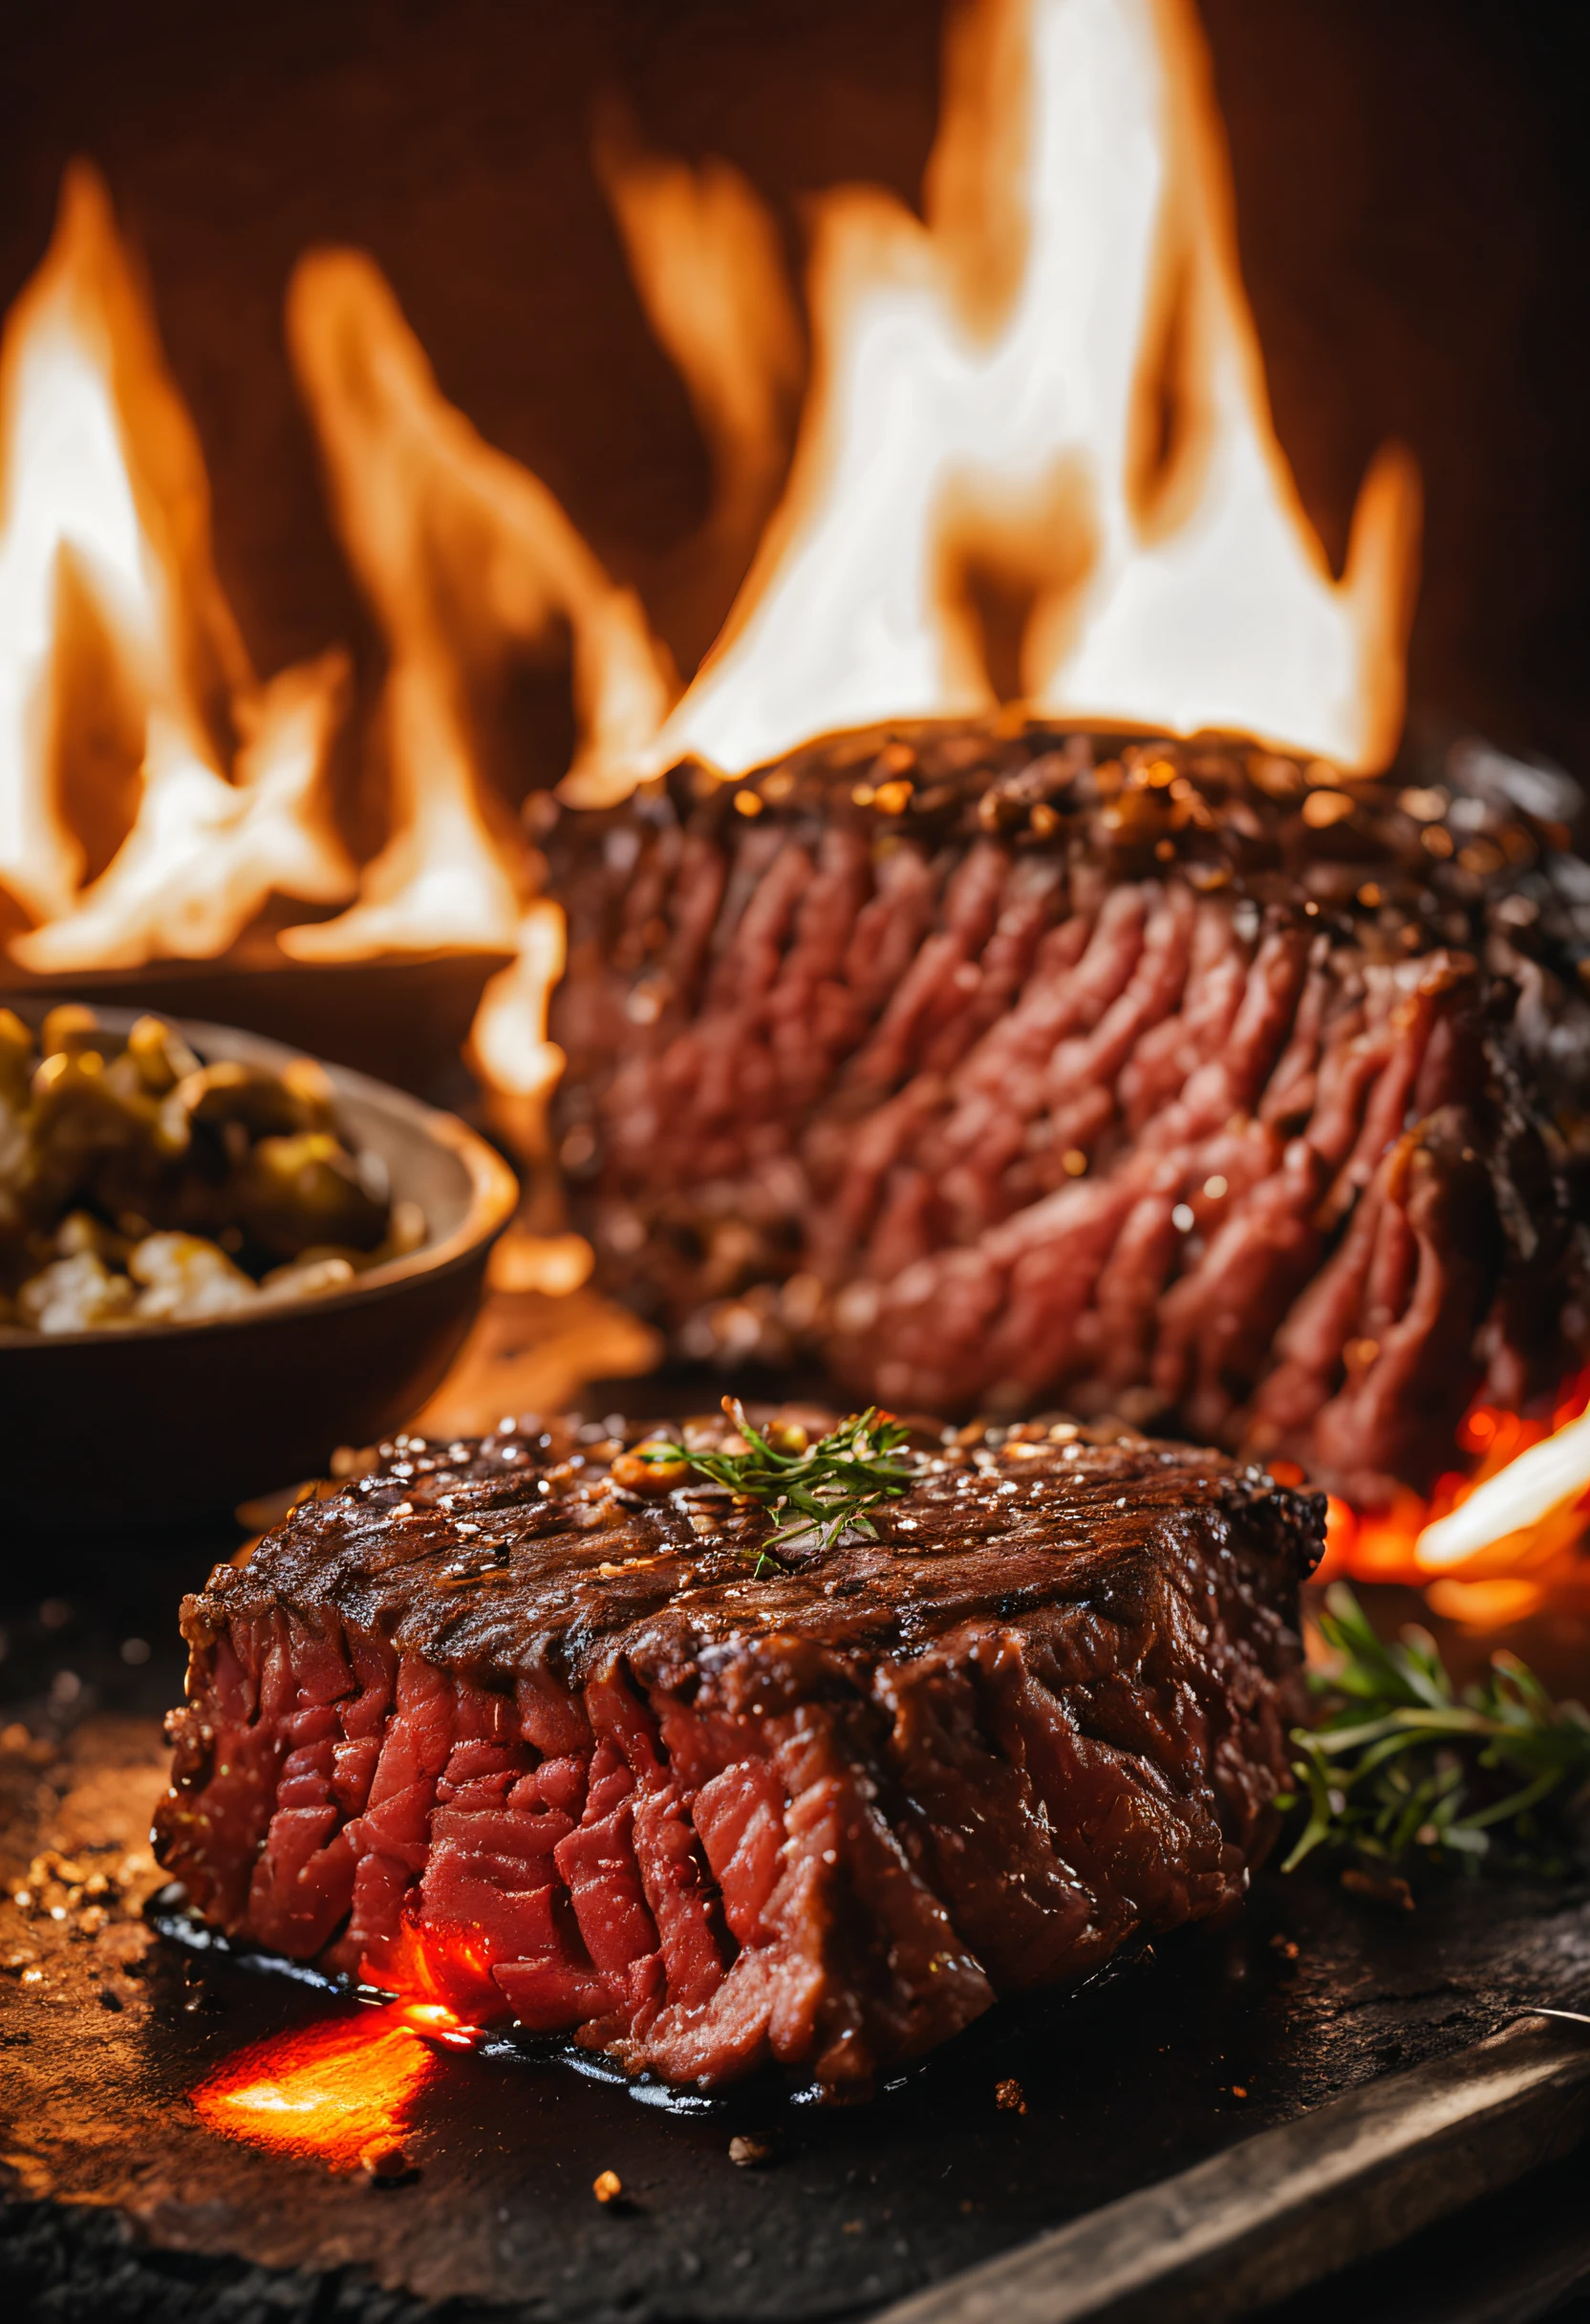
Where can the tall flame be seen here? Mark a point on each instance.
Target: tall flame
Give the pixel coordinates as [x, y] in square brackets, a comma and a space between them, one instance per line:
[104, 550]
[463, 554]
[1054, 384]
[707, 262]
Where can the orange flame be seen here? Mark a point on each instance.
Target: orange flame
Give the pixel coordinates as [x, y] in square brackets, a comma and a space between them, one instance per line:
[462, 553]
[465, 555]
[707, 261]
[991, 397]
[1524, 1549]
[105, 563]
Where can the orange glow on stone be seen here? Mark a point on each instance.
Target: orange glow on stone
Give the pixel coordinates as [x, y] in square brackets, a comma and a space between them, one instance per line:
[328, 2091]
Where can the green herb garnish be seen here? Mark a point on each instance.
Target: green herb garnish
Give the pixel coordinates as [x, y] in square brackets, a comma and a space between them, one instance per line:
[1390, 1768]
[821, 1490]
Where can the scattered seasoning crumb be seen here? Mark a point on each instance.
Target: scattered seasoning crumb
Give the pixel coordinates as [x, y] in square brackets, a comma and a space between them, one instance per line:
[1285, 1947]
[1380, 1887]
[384, 2162]
[607, 2186]
[747, 2151]
[32, 1977]
[1010, 2096]
[1239, 2089]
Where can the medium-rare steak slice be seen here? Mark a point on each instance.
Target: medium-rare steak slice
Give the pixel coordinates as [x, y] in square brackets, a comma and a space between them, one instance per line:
[1173, 1080]
[491, 1727]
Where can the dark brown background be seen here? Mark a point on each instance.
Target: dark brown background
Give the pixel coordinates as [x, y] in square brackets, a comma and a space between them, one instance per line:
[1411, 178]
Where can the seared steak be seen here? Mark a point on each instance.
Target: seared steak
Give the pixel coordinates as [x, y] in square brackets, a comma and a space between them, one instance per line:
[1178, 1082]
[490, 1727]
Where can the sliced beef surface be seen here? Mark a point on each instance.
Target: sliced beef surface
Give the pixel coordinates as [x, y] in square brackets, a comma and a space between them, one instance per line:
[488, 1727]
[1195, 1085]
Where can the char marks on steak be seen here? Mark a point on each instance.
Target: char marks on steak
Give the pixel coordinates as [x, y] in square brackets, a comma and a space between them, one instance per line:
[488, 1727]
[1171, 1081]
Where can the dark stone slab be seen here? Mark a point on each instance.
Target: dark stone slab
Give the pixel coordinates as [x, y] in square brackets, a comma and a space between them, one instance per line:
[119, 2202]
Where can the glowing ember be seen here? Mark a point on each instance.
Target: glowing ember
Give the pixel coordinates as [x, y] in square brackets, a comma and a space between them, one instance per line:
[439, 1979]
[108, 598]
[1518, 1499]
[1055, 382]
[555, 1264]
[329, 2091]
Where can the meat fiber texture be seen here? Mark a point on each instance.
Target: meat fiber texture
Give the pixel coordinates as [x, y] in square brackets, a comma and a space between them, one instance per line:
[487, 1728]
[1197, 1087]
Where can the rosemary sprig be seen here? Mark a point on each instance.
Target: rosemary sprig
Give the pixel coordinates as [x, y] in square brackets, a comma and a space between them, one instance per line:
[1389, 1769]
[818, 1490]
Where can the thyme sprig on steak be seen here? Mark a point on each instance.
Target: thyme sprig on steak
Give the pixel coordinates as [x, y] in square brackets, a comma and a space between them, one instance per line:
[1399, 1765]
[818, 1491]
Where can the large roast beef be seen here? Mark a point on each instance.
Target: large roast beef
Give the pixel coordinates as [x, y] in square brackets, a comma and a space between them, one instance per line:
[1186, 1083]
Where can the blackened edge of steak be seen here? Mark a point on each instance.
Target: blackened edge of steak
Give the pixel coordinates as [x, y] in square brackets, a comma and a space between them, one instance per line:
[1180, 1081]
[488, 1727]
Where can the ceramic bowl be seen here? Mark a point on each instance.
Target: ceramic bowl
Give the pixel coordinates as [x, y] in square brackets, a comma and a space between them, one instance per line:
[165, 1423]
